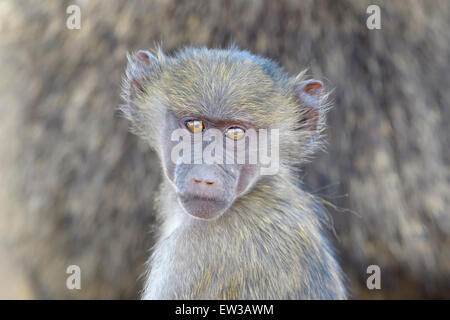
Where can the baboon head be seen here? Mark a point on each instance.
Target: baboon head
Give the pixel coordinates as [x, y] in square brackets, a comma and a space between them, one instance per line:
[209, 114]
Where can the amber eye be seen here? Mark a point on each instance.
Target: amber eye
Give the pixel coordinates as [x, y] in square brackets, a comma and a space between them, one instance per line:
[235, 133]
[195, 126]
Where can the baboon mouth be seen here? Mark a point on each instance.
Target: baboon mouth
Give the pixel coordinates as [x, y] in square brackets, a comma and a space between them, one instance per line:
[203, 207]
[201, 198]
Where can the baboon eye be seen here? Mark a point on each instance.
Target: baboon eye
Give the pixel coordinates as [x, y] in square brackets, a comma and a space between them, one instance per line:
[195, 126]
[235, 133]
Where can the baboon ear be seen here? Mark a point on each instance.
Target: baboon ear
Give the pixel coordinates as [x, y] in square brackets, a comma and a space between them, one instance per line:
[140, 66]
[139, 70]
[310, 93]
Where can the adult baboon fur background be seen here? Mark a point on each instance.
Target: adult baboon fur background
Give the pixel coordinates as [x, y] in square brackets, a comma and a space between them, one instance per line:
[77, 188]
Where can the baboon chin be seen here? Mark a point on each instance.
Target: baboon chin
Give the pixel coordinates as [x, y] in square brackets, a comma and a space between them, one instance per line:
[228, 224]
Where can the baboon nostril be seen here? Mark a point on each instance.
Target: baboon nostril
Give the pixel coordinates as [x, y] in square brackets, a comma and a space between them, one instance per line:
[209, 183]
[197, 180]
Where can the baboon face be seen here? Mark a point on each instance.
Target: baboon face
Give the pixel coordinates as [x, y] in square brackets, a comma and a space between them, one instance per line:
[212, 115]
[206, 174]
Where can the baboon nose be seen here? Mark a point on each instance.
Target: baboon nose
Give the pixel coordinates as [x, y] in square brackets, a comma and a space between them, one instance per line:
[204, 182]
[207, 182]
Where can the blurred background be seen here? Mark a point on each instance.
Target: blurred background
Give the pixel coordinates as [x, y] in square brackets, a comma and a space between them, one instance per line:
[77, 188]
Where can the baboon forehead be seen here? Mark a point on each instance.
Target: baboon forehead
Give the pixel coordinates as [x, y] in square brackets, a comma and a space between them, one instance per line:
[226, 85]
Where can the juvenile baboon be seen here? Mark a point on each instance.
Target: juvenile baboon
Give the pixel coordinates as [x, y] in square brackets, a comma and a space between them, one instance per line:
[77, 188]
[228, 231]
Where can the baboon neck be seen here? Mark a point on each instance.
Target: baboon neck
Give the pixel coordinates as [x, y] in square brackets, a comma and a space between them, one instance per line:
[276, 195]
